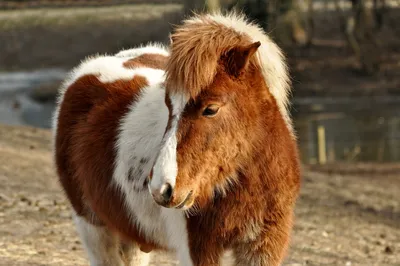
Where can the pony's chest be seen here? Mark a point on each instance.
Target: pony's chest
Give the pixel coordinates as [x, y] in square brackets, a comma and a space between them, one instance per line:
[228, 220]
[146, 216]
[138, 144]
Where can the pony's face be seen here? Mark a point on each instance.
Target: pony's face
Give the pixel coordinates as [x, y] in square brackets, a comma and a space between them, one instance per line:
[210, 136]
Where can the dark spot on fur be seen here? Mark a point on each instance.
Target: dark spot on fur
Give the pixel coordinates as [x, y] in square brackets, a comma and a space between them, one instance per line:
[130, 174]
[146, 182]
[217, 196]
[140, 172]
[138, 188]
[144, 160]
[174, 118]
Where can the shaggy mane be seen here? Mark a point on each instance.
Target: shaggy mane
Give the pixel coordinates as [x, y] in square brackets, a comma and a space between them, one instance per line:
[200, 41]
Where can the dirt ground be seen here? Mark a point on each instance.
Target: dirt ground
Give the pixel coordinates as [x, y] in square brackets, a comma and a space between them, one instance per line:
[347, 218]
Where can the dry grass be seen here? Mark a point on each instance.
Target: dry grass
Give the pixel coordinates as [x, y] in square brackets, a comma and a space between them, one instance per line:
[75, 16]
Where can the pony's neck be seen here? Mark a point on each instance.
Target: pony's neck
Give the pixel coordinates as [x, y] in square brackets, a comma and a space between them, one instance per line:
[274, 153]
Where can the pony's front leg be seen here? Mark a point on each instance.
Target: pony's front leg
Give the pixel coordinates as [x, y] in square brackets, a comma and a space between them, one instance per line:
[206, 254]
[101, 245]
[269, 247]
[268, 250]
[192, 246]
[249, 254]
[133, 256]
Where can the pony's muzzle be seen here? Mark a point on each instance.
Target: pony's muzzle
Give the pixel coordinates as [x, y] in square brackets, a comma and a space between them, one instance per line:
[163, 195]
[166, 198]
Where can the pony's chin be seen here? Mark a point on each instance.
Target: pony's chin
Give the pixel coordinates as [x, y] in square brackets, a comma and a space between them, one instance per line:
[187, 203]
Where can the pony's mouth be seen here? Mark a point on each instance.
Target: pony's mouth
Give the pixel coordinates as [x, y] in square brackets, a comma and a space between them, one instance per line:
[186, 200]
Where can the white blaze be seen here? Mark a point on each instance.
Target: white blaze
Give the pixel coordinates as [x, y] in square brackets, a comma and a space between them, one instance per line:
[166, 167]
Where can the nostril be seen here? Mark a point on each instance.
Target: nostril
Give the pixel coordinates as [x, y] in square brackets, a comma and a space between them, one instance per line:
[167, 192]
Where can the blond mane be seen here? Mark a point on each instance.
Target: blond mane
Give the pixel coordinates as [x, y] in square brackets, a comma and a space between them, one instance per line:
[198, 44]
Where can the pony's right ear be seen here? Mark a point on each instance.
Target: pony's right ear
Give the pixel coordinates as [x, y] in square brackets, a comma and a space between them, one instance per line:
[237, 59]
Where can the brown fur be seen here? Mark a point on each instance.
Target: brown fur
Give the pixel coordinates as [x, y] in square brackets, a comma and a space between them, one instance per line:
[195, 52]
[155, 61]
[85, 151]
[243, 163]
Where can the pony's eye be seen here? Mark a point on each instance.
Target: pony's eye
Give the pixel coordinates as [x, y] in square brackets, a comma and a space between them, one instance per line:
[211, 110]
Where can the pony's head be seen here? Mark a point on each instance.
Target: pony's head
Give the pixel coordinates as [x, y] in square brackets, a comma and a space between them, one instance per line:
[226, 80]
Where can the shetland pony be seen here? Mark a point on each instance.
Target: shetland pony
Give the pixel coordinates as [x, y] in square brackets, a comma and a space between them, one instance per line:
[189, 150]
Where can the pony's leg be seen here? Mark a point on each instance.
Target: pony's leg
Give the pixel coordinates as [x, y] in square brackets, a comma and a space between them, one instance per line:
[250, 255]
[268, 248]
[100, 244]
[133, 256]
[206, 254]
[265, 252]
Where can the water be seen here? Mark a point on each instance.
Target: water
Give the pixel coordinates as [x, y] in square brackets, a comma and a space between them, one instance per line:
[352, 130]
[17, 106]
[328, 129]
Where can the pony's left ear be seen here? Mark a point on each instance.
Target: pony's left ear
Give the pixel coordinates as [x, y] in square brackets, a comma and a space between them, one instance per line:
[237, 59]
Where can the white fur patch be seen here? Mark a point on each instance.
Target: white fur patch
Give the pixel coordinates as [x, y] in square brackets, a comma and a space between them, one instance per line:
[154, 48]
[177, 234]
[109, 69]
[165, 171]
[101, 245]
[141, 132]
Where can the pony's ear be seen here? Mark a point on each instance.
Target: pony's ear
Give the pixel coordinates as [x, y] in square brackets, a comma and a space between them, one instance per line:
[237, 59]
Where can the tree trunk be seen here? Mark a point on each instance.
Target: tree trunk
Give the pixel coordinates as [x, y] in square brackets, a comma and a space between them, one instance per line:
[199, 6]
[213, 5]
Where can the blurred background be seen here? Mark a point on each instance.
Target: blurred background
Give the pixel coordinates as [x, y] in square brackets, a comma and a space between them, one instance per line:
[344, 58]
